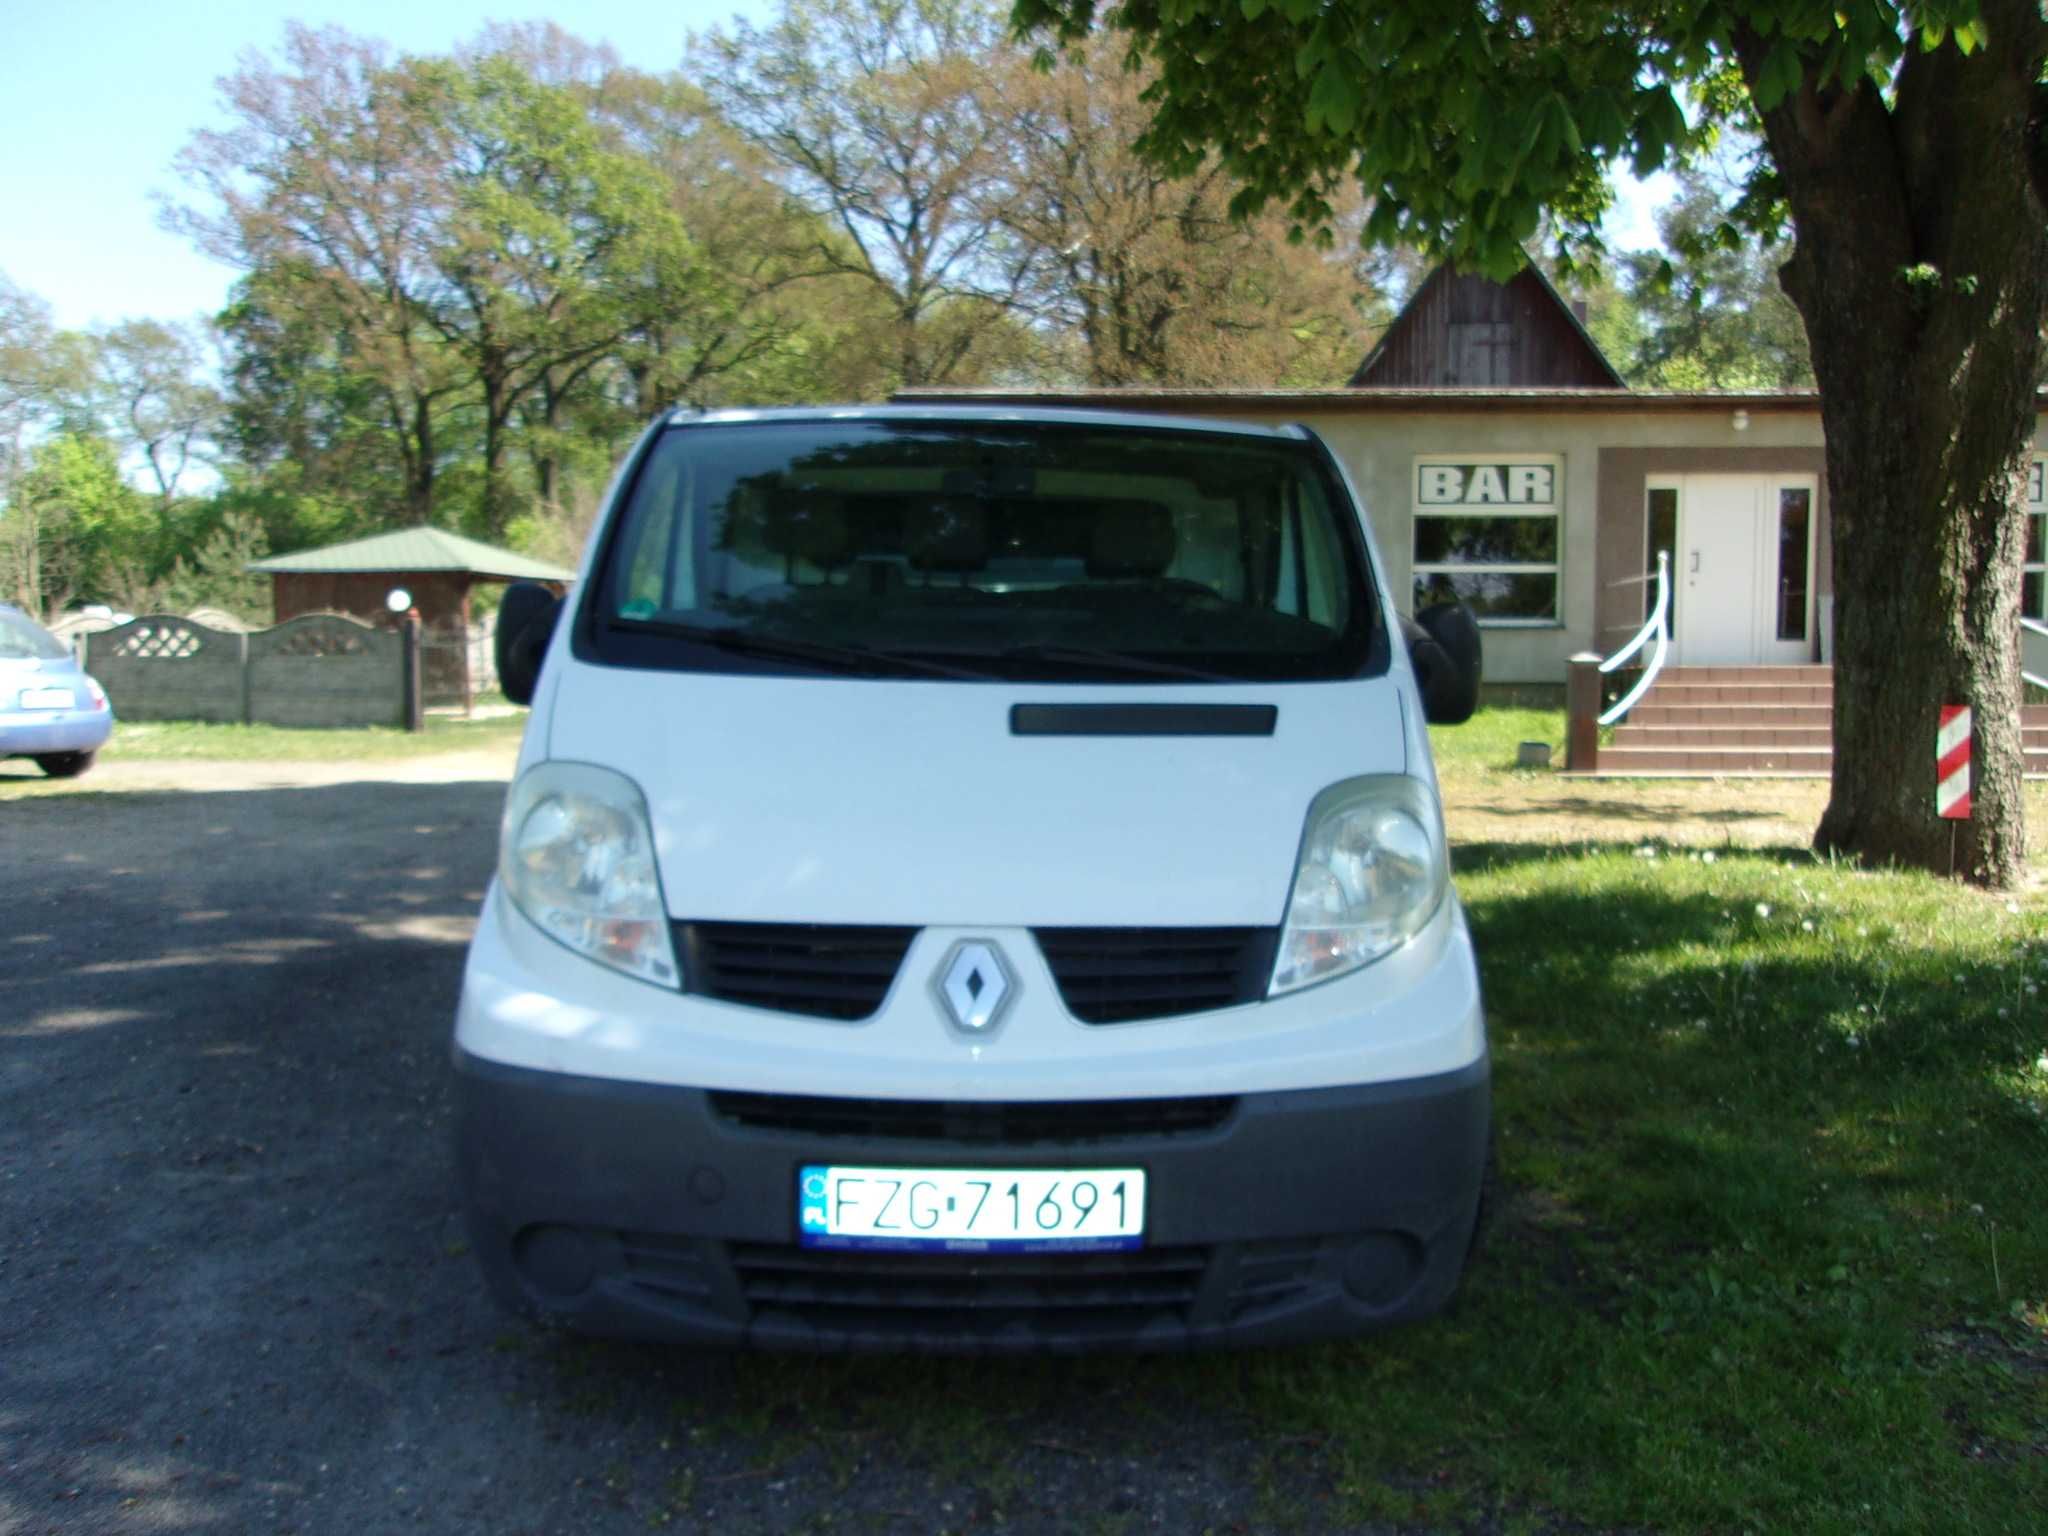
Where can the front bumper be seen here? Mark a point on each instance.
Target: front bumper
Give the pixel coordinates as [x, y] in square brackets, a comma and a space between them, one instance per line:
[25, 734]
[648, 1210]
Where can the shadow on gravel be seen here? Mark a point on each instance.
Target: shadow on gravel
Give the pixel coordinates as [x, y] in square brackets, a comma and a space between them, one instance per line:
[235, 1296]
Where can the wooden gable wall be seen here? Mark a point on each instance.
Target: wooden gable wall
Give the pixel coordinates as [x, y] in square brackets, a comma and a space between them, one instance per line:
[1466, 332]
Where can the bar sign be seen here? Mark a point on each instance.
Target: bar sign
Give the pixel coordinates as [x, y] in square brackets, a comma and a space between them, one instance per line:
[1952, 763]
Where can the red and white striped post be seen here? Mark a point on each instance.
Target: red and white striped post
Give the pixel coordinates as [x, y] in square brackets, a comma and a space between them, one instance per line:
[1952, 772]
[1952, 763]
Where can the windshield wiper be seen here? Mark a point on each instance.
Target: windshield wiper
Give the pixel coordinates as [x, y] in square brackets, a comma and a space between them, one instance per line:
[862, 659]
[1114, 661]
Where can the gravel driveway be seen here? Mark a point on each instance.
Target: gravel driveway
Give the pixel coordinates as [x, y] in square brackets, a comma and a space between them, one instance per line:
[234, 1294]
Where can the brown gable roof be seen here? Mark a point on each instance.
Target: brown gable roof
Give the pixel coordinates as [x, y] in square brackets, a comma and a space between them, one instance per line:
[1463, 331]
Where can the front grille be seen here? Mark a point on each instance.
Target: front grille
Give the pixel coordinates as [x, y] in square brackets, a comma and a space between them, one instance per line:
[1007, 1124]
[830, 971]
[1120, 975]
[970, 1293]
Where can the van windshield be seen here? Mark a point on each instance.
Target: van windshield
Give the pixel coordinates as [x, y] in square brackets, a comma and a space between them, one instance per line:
[1038, 551]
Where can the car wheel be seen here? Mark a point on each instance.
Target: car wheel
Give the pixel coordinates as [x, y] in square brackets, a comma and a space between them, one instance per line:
[64, 765]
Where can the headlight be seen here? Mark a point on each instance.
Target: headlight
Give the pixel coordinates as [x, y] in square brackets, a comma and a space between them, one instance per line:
[577, 857]
[1372, 872]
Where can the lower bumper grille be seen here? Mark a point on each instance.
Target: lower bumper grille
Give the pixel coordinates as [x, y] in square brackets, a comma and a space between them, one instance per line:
[858, 1297]
[1010, 1124]
[841, 1289]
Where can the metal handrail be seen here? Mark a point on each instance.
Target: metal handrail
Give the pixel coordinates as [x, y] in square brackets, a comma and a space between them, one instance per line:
[1656, 625]
[2039, 629]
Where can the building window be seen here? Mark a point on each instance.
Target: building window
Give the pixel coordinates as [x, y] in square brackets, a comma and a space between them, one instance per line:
[1795, 525]
[2034, 574]
[1488, 533]
[1660, 535]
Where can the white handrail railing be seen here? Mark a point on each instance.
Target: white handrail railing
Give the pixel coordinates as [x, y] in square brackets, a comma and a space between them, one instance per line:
[2039, 629]
[1658, 625]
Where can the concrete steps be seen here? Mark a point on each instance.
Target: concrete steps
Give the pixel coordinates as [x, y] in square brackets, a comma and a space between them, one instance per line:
[1736, 721]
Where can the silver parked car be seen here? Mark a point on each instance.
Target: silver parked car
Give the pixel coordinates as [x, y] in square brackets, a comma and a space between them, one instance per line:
[50, 710]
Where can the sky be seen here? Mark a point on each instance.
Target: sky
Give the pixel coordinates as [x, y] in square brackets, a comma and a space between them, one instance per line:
[98, 96]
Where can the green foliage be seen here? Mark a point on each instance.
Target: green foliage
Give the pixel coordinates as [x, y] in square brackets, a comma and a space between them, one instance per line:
[150, 391]
[468, 281]
[1711, 315]
[894, 118]
[73, 525]
[213, 569]
[1466, 124]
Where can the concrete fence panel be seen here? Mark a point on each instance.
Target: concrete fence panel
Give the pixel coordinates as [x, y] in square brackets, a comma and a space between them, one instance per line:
[161, 667]
[325, 670]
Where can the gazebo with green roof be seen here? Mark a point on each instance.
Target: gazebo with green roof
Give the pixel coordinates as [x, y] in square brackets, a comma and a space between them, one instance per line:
[437, 567]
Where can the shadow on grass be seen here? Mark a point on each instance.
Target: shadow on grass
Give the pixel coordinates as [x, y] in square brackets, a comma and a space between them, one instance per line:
[1483, 857]
[1620, 809]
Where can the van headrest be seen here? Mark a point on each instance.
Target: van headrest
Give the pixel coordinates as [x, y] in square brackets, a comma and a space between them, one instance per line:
[1131, 538]
[809, 525]
[946, 533]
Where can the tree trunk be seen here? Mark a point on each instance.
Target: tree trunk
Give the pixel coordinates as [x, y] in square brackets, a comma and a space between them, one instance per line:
[496, 413]
[419, 479]
[909, 356]
[1928, 495]
[1922, 278]
[546, 460]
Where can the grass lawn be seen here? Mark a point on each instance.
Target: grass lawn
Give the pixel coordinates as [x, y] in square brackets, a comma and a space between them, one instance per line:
[197, 741]
[1771, 1252]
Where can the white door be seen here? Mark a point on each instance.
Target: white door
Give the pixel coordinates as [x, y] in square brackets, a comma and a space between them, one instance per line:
[1745, 569]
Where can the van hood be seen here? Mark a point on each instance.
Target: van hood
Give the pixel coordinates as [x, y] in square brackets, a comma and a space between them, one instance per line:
[840, 800]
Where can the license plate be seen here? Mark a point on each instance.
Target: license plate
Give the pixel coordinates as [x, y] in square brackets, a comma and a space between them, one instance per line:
[46, 698]
[970, 1209]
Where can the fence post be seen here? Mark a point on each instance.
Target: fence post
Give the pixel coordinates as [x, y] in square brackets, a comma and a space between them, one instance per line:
[415, 693]
[1582, 713]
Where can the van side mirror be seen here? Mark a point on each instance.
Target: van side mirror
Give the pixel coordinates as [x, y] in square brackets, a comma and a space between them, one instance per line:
[1444, 649]
[526, 623]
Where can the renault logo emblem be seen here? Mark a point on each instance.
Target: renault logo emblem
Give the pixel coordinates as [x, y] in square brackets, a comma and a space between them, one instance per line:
[973, 985]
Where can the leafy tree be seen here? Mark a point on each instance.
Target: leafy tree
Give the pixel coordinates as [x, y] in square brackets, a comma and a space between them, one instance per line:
[329, 191]
[1149, 272]
[55, 490]
[155, 396]
[895, 117]
[311, 443]
[554, 243]
[1905, 143]
[213, 570]
[1711, 315]
[75, 529]
[25, 332]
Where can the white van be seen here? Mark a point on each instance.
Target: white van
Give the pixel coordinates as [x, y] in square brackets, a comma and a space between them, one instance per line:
[975, 880]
